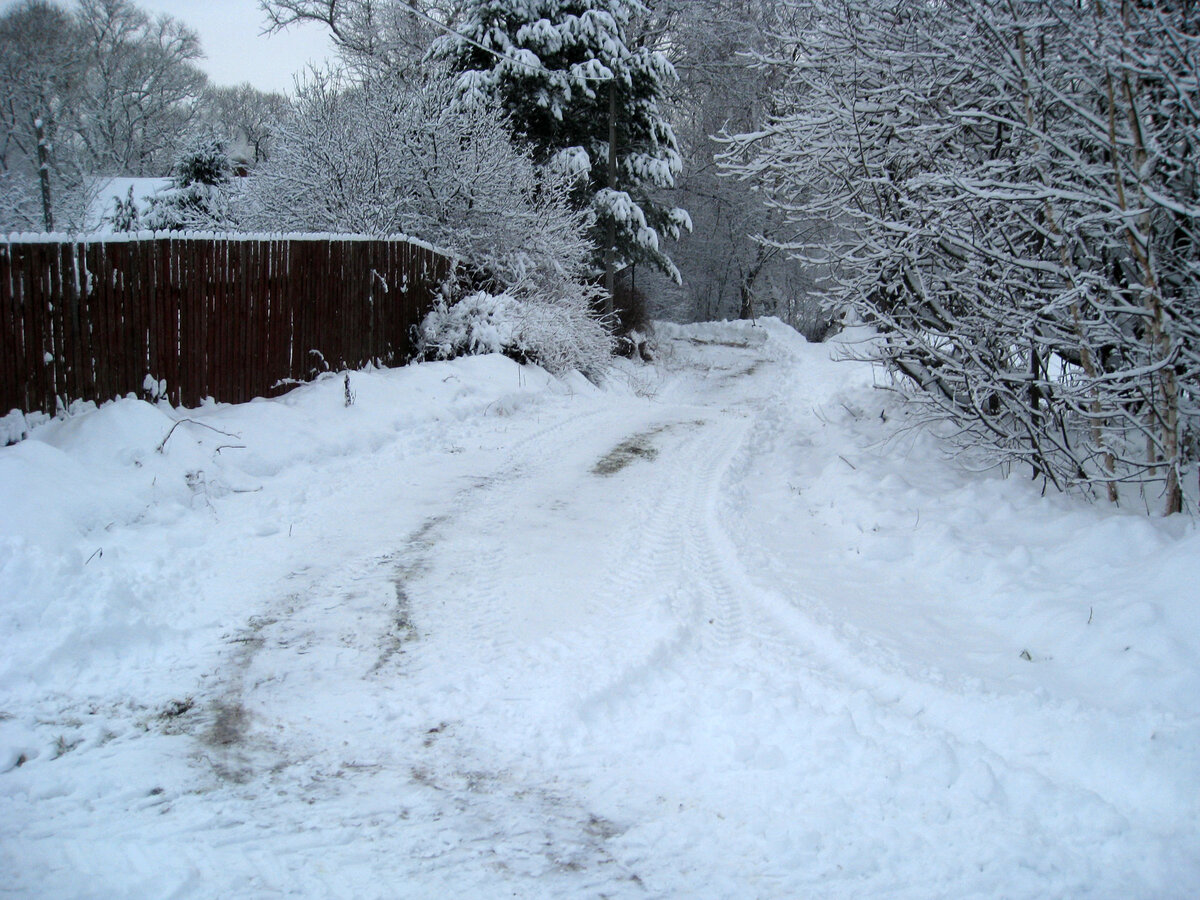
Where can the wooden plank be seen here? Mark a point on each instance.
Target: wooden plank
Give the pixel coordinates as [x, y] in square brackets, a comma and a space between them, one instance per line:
[290, 315]
[166, 349]
[170, 269]
[313, 288]
[11, 397]
[18, 288]
[375, 262]
[54, 340]
[379, 307]
[259, 342]
[390, 309]
[242, 317]
[137, 319]
[187, 277]
[76, 385]
[20, 298]
[225, 308]
[290, 291]
[251, 340]
[167, 288]
[112, 299]
[262, 386]
[231, 321]
[111, 318]
[197, 289]
[50, 324]
[330, 321]
[214, 305]
[277, 323]
[133, 357]
[94, 304]
[208, 328]
[35, 323]
[142, 254]
[235, 320]
[347, 301]
[275, 362]
[345, 283]
[68, 322]
[261, 336]
[319, 260]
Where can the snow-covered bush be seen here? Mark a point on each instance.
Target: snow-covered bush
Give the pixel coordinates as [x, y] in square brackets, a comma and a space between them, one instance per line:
[394, 155]
[1013, 202]
[560, 337]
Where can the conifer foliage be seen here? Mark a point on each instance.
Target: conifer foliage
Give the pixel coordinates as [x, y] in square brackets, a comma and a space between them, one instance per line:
[198, 197]
[565, 71]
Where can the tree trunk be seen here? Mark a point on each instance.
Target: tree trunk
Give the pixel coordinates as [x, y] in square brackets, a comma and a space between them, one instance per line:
[610, 262]
[44, 173]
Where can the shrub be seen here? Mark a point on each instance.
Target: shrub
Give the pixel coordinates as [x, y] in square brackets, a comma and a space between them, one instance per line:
[558, 336]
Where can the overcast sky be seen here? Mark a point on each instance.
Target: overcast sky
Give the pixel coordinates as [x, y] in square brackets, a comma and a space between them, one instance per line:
[236, 51]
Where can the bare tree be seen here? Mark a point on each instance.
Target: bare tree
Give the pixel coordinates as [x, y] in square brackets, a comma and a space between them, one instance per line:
[1013, 192]
[40, 183]
[246, 117]
[139, 88]
[396, 156]
[732, 263]
[380, 35]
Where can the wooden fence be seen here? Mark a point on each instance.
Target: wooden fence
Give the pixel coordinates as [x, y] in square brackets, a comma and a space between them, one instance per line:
[228, 318]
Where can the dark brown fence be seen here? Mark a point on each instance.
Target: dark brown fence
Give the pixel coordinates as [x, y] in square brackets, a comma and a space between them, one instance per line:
[229, 318]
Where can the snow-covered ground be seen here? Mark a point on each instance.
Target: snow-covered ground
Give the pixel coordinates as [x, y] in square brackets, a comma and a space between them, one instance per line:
[724, 628]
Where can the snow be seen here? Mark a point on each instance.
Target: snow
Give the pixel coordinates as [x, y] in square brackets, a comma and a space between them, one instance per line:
[725, 627]
[109, 190]
[63, 237]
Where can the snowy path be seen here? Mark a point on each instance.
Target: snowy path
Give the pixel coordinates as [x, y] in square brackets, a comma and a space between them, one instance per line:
[698, 637]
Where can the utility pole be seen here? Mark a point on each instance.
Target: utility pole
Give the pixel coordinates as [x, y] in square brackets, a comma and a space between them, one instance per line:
[44, 172]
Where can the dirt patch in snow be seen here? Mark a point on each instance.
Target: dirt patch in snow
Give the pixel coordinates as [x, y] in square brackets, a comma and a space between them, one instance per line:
[637, 447]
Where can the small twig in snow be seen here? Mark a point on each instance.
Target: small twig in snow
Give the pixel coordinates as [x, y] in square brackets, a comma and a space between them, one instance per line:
[159, 448]
[847, 462]
[99, 552]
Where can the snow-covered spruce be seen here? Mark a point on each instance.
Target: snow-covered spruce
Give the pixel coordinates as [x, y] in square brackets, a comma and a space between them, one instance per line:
[564, 68]
[197, 199]
[560, 337]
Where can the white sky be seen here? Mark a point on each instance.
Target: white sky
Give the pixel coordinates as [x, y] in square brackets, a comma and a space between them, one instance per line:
[234, 48]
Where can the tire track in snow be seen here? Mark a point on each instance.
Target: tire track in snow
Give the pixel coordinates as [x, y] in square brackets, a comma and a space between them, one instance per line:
[971, 741]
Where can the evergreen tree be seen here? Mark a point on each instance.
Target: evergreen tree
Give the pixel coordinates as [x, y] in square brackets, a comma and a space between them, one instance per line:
[199, 194]
[568, 79]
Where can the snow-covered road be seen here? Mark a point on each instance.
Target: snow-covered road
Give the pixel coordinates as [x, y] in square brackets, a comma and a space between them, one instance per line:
[723, 629]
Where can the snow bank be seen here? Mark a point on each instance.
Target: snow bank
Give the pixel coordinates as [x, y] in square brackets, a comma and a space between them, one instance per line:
[143, 471]
[727, 627]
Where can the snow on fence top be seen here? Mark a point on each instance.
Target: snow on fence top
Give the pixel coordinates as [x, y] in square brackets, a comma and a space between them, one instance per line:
[61, 237]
